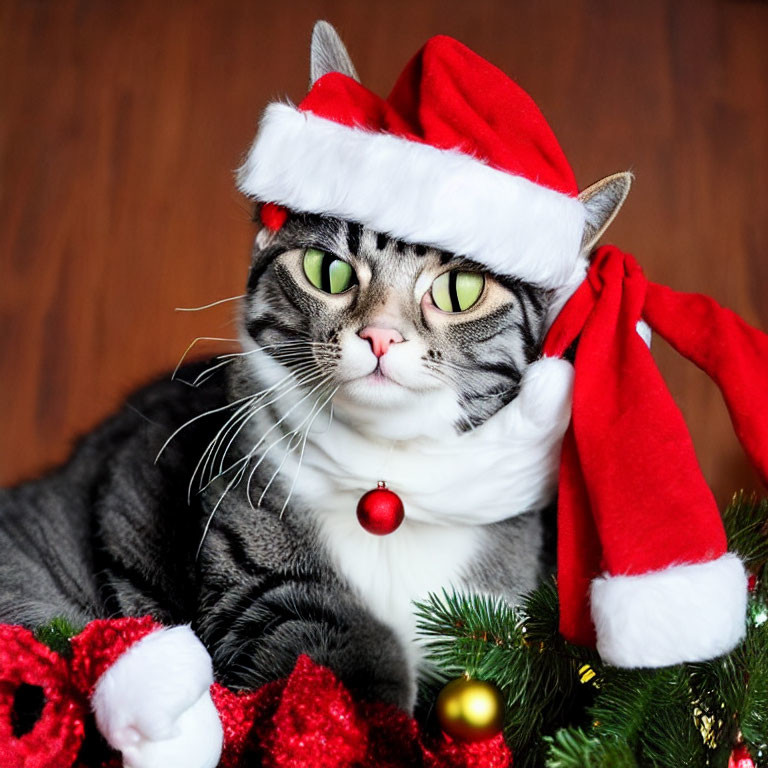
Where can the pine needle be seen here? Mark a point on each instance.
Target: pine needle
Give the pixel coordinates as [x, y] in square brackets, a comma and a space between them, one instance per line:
[56, 634]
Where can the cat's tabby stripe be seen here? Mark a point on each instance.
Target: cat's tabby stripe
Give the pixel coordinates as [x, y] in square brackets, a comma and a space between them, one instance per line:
[354, 232]
[268, 320]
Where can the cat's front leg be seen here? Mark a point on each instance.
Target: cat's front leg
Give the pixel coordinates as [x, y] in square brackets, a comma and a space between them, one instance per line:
[153, 704]
[256, 631]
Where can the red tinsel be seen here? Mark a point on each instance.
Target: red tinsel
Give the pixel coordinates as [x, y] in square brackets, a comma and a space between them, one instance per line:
[55, 740]
[308, 720]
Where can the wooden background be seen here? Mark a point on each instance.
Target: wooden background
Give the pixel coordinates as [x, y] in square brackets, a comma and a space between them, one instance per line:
[121, 123]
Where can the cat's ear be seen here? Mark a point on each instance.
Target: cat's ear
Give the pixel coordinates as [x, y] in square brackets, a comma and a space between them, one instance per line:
[264, 237]
[603, 200]
[328, 54]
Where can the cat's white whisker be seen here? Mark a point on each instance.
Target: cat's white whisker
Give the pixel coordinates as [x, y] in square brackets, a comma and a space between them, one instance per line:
[232, 483]
[296, 433]
[324, 379]
[444, 377]
[306, 380]
[192, 344]
[303, 447]
[441, 371]
[214, 447]
[202, 377]
[227, 358]
[248, 456]
[306, 377]
[253, 397]
[242, 412]
[264, 454]
[210, 518]
[197, 418]
[276, 472]
[247, 352]
[236, 479]
[208, 306]
[296, 359]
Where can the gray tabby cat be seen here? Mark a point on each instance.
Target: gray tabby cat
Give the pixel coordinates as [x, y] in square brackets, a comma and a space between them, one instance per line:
[364, 358]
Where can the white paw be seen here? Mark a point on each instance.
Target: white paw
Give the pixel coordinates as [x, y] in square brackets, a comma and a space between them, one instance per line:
[153, 704]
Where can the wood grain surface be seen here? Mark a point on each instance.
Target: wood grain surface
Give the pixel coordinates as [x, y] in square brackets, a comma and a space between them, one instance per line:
[121, 123]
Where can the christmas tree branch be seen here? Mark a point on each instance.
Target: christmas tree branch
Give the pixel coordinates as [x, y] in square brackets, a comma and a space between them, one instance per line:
[520, 650]
[746, 526]
[573, 748]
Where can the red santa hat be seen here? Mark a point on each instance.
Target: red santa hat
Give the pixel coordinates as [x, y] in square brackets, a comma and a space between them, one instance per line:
[459, 157]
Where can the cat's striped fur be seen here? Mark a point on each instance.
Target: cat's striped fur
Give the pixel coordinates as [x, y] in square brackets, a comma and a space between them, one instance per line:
[112, 532]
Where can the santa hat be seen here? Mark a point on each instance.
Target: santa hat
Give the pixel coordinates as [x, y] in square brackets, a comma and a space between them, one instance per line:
[121, 664]
[459, 157]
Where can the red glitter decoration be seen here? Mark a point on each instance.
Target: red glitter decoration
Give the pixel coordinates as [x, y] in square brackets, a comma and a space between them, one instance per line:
[273, 216]
[311, 730]
[740, 758]
[492, 753]
[380, 511]
[55, 739]
[308, 720]
[238, 712]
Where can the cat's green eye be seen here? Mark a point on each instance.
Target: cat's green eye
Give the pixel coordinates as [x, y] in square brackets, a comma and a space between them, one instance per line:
[457, 291]
[326, 272]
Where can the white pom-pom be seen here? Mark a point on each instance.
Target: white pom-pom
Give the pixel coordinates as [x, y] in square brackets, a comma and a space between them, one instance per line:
[153, 704]
[546, 390]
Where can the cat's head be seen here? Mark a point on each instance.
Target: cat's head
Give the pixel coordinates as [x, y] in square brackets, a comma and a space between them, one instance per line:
[405, 340]
[417, 340]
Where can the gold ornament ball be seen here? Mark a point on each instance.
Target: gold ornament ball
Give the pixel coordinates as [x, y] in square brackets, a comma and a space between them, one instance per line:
[470, 710]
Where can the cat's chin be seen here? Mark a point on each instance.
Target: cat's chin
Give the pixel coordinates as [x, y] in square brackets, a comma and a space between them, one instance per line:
[377, 390]
[386, 409]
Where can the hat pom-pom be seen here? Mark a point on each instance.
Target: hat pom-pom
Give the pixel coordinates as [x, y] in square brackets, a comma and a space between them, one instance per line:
[546, 391]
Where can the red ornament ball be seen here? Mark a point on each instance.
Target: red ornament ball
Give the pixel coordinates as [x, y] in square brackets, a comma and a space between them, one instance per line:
[740, 758]
[380, 511]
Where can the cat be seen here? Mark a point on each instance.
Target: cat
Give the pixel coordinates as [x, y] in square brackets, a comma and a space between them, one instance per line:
[364, 358]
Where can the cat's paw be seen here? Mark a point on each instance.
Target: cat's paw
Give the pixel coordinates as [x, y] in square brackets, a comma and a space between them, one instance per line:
[154, 706]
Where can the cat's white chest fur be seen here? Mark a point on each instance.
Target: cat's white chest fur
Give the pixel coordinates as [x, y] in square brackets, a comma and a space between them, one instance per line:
[391, 572]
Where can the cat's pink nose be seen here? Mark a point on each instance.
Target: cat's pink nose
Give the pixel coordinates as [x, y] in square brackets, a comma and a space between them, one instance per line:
[381, 339]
